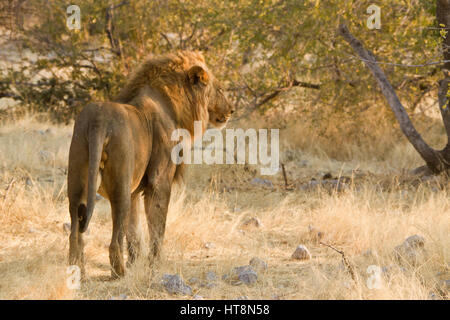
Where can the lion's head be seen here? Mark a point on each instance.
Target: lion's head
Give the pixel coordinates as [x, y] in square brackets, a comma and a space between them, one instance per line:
[220, 110]
[188, 86]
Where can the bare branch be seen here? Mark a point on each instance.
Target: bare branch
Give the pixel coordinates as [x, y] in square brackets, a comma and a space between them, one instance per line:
[431, 156]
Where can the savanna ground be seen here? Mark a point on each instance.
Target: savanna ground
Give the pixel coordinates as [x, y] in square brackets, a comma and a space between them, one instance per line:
[381, 208]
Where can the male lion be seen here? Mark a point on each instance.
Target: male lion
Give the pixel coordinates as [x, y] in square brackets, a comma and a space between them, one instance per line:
[128, 143]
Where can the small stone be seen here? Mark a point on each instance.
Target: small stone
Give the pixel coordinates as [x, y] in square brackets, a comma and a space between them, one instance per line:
[174, 284]
[415, 241]
[119, 297]
[29, 182]
[301, 253]
[247, 275]
[411, 251]
[210, 245]
[258, 264]
[255, 222]
[240, 275]
[211, 276]
[197, 297]
[242, 298]
[209, 285]
[66, 227]
[262, 182]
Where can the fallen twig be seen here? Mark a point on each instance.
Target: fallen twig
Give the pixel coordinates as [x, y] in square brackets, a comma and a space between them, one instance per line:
[347, 263]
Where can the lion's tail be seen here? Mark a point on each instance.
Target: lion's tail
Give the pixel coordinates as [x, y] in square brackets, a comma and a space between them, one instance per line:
[96, 138]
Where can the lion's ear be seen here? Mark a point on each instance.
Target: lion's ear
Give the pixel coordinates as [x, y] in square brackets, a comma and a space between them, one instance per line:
[197, 75]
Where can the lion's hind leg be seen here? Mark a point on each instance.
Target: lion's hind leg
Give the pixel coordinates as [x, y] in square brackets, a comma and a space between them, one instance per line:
[116, 179]
[77, 192]
[134, 235]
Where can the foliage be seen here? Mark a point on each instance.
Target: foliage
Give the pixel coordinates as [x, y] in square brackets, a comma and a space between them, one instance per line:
[262, 49]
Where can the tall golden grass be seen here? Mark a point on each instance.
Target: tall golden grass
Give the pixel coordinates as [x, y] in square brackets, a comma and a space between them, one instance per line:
[381, 208]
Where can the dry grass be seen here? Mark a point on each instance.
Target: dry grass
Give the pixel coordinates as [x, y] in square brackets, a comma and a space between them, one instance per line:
[380, 210]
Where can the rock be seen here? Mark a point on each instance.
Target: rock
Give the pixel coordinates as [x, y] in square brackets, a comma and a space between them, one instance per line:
[301, 253]
[211, 276]
[247, 275]
[415, 241]
[174, 284]
[309, 186]
[262, 182]
[252, 222]
[411, 251]
[240, 275]
[258, 264]
[66, 227]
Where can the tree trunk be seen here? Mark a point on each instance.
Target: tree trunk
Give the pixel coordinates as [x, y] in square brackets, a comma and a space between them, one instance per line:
[437, 161]
[443, 19]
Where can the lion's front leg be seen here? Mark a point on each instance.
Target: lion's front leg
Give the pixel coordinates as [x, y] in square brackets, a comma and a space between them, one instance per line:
[156, 207]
